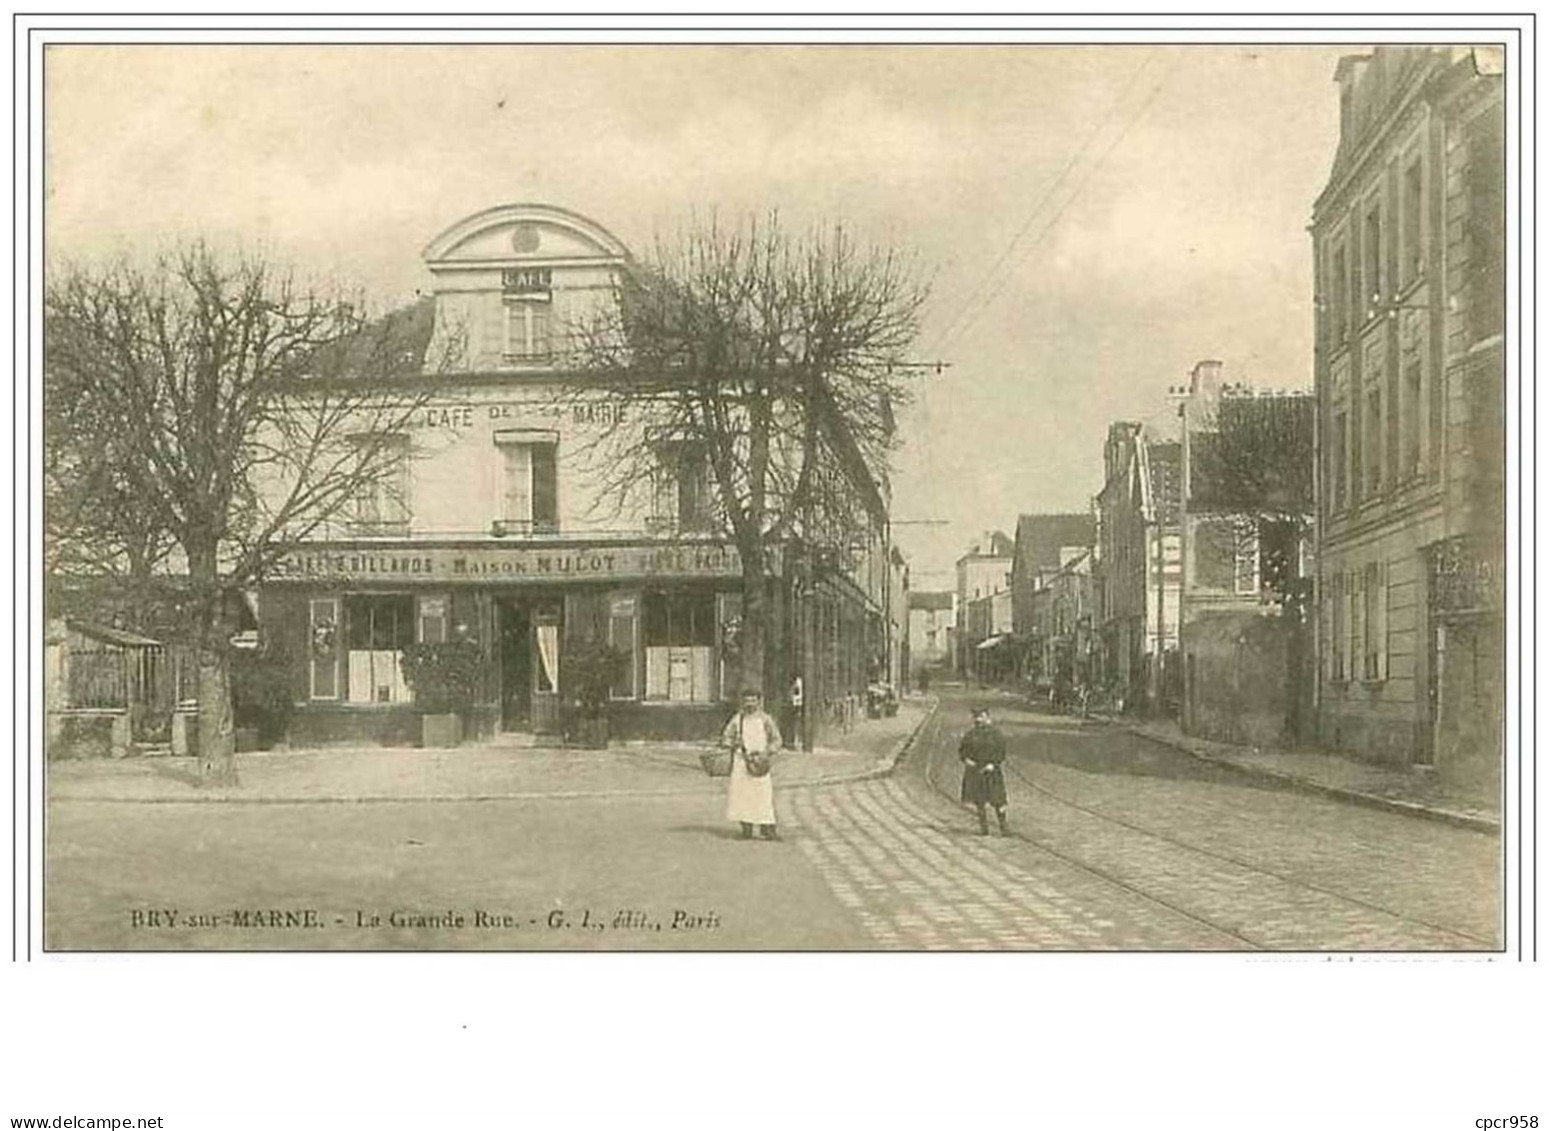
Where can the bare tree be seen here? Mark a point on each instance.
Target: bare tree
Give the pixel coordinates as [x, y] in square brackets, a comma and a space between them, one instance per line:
[205, 417]
[778, 360]
[1252, 464]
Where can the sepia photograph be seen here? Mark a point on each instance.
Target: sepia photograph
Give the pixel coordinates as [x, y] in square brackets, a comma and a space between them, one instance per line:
[824, 497]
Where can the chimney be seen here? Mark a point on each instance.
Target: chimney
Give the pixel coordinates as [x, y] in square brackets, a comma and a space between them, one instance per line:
[1204, 390]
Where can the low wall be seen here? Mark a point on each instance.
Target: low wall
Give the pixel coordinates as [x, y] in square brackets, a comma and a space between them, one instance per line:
[86, 733]
[1236, 677]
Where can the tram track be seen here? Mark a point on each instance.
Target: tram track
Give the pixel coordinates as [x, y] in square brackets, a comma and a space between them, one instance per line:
[935, 753]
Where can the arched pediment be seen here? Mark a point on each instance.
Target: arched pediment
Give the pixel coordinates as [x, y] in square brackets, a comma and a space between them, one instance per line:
[523, 233]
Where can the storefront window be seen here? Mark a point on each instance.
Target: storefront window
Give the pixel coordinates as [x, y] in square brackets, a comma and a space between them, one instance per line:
[379, 628]
[679, 632]
[432, 620]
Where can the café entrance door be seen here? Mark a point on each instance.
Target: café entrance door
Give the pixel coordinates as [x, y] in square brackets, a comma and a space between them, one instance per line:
[529, 664]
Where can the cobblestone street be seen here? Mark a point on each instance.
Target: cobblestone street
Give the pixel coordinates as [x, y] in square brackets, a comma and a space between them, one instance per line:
[1118, 842]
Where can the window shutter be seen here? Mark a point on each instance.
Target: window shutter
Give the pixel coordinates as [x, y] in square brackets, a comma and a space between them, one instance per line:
[1382, 621]
[545, 488]
[1332, 625]
[1353, 624]
[516, 506]
[541, 345]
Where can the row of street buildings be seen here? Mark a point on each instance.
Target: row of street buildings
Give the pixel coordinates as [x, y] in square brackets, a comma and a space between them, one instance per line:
[494, 524]
[1318, 567]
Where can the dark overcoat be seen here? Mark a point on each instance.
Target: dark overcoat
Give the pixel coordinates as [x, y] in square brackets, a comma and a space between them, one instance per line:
[982, 750]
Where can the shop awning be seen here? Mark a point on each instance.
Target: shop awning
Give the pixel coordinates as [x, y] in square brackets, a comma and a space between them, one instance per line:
[991, 642]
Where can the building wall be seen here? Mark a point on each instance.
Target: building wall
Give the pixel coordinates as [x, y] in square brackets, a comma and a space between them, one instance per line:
[979, 576]
[618, 567]
[1139, 585]
[1410, 388]
[1237, 664]
[930, 638]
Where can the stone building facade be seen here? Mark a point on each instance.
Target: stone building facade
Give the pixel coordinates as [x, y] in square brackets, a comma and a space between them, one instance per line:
[493, 529]
[1053, 605]
[1138, 576]
[1409, 245]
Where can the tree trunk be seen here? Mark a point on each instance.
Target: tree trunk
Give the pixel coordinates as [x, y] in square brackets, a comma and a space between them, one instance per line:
[217, 738]
[755, 619]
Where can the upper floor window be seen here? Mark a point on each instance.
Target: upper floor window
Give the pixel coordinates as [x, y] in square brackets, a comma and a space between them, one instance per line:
[528, 330]
[1413, 394]
[1337, 458]
[1371, 270]
[381, 501]
[1339, 297]
[1484, 186]
[682, 496]
[529, 489]
[1413, 252]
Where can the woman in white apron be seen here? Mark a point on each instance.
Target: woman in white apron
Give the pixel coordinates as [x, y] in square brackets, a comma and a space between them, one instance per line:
[752, 737]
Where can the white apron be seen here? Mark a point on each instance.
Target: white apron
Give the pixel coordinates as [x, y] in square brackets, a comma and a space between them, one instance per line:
[748, 798]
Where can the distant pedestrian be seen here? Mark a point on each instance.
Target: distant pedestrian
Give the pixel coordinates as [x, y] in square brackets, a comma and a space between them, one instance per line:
[795, 698]
[982, 750]
[753, 739]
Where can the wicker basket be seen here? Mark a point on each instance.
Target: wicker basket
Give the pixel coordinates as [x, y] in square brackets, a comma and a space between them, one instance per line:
[717, 763]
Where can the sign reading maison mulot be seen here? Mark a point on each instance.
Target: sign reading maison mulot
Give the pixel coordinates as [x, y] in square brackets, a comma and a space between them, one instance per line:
[440, 564]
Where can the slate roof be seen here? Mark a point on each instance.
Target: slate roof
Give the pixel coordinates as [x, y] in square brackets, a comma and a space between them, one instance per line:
[1041, 536]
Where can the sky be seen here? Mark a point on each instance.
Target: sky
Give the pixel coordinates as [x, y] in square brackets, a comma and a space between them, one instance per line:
[1092, 220]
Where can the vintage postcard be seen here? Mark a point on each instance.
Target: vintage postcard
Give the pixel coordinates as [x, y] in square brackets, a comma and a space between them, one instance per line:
[775, 496]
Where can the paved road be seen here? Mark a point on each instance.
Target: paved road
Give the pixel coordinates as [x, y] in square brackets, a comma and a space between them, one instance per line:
[621, 873]
[1119, 842]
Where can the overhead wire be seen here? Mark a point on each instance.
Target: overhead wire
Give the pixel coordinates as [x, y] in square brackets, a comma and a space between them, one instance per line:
[1053, 187]
[1139, 112]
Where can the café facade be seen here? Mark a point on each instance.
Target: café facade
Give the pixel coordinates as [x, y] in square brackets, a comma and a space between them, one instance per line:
[671, 607]
[496, 525]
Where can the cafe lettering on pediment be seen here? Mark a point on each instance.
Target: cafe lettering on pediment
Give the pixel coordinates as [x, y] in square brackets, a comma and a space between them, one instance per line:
[441, 565]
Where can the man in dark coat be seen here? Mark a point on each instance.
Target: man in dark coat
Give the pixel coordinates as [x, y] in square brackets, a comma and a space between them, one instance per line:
[982, 750]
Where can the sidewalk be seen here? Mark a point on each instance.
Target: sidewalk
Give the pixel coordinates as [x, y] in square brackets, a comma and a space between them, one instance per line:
[490, 771]
[1416, 793]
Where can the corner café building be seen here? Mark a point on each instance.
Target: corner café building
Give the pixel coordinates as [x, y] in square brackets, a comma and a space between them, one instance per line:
[488, 530]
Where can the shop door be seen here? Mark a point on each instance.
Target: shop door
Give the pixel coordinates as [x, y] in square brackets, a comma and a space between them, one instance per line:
[516, 666]
[548, 622]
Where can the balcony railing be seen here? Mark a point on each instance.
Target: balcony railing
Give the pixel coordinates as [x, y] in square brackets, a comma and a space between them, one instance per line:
[523, 528]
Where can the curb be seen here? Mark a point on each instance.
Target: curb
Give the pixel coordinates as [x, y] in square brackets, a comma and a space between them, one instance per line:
[889, 763]
[1471, 821]
[882, 767]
